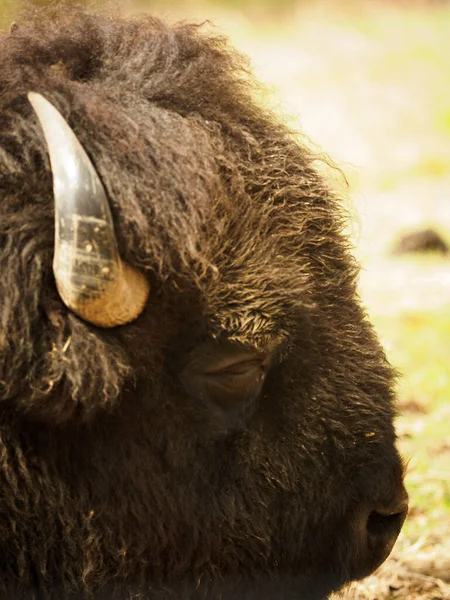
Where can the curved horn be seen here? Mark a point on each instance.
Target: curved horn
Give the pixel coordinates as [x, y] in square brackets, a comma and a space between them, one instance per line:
[91, 278]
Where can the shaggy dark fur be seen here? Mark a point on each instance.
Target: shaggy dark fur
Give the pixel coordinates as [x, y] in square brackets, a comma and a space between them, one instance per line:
[115, 479]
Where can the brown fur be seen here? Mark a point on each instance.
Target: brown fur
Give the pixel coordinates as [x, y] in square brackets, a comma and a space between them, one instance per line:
[113, 479]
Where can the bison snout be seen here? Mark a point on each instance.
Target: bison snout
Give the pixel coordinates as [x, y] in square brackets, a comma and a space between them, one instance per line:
[377, 529]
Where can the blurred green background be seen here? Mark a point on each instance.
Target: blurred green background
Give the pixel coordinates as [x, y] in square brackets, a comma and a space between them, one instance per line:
[369, 82]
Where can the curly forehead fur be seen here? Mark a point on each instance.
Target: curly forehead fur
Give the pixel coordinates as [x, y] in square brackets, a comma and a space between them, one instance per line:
[115, 479]
[209, 191]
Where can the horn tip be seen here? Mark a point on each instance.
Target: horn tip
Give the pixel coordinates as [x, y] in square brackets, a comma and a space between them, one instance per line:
[35, 98]
[42, 107]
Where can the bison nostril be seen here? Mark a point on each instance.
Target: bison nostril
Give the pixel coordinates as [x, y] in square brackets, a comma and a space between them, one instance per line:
[377, 533]
[385, 525]
[382, 527]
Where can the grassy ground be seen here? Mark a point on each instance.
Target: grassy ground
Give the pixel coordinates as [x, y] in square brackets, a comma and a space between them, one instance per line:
[369, 82]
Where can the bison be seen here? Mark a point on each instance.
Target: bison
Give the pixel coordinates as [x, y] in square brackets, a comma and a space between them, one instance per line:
[193, 401]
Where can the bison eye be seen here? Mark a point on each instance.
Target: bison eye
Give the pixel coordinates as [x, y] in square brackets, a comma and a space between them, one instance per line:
[239, 378]
[226, 382]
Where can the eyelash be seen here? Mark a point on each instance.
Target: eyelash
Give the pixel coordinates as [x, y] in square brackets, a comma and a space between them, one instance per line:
[240, 368]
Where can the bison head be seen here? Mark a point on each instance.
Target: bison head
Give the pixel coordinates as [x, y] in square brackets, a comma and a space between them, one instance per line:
[193, 402]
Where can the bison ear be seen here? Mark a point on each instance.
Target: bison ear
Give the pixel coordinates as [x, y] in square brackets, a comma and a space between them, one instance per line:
[91, 278]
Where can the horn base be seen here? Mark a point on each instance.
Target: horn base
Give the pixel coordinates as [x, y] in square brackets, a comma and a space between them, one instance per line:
[114, 302]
